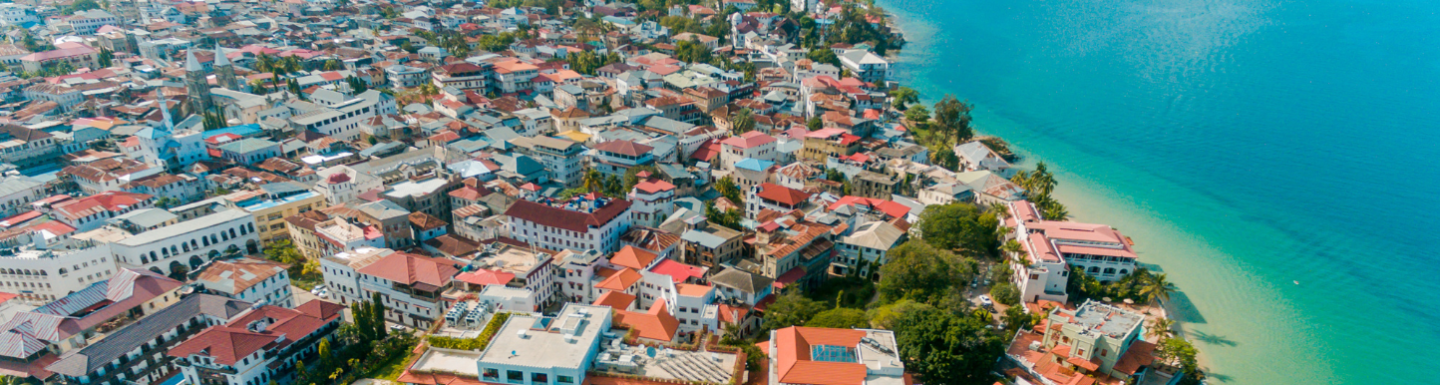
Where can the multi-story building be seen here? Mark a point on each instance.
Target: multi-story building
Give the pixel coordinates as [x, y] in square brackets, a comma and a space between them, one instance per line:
[462, 76]
[42, 263]
[393, 221]
[342, 120]
[64, 95]
[423, 196]
[76, 54]
[806, 355]
[247, 279]
[865, 65]
[562, 158]
[86, 22]
[135, 353]
[257, 346]
[751, 145]
[532, 269]
[653, 201]
[863, 251]
[618, 156]
[274, 203]
[342, 184]
[91, 212]
[409, 285]
[12, 14]
[560, 352]
[82, 318]
[249, 151]
[582, 223]
[710, 245]
[770, 196]
[578, 277]
[513, 76]
[16, 193]
[25, 148]
[1052, 248]
[403, 76]
[1093, 340]
[184, 246]
[793, 252]
[828, 143]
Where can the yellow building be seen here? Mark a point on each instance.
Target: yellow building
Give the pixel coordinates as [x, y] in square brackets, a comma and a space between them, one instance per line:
[273, 203]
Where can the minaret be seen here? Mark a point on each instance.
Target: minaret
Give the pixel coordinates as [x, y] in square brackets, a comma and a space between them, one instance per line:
[164, 112]
[196, 86]
[224, 71]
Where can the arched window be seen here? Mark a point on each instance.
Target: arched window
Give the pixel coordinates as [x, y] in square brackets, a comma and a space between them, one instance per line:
[205, 240]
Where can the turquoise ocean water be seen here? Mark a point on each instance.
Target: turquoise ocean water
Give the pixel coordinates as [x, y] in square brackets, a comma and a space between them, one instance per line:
[1279, 159]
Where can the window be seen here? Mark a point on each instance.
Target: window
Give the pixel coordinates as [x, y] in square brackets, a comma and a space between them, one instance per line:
[491, 374]
[539, 378]
[515, 376]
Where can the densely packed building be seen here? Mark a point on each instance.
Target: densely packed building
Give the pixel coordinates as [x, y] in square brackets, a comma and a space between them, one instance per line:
[174, 171]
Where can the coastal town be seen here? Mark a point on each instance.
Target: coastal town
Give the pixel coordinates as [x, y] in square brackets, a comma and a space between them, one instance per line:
[532, 192]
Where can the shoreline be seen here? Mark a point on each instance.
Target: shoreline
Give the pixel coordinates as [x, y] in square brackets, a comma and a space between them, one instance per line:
[1023, 157]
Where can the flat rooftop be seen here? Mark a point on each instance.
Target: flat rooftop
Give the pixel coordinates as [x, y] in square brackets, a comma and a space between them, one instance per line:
[512, 259]
[526, 340]
[1097, 317]
[451, 361]
[417, 189]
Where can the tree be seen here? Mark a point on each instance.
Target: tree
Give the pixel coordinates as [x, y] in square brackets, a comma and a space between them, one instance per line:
[840, 318]
[632, 176]
[1016, 318]
[945, 347]
[1005, 293]
[105, 57]
[593, 181]
[1161, 329]
[884, 317]
[952, 118]
[1157, 288]
[920, 272]
[814, 123]
[823, 55]
[918, 115]
[728, 189]
[742, 121]
[214, 121]
[323, 349]
[1179, 352]
[901, 97]
[961, 227]
[789, 310]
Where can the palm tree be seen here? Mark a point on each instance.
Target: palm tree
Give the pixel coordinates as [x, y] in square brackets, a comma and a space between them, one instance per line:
[593, 181]
[1157, 288]
[1161, 328]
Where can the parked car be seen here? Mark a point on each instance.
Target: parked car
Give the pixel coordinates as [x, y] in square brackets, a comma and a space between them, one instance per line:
[985, 300]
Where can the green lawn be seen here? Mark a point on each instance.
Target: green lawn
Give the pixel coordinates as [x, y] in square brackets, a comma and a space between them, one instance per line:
[854, 292]
[390, 370]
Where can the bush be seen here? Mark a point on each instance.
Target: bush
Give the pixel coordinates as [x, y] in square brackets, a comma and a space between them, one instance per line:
[1005, 293]
[477, 343]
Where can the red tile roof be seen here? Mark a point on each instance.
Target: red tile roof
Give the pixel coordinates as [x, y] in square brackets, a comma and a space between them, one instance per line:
[657, 324]
[622, 280]
[654, 186]
[793, 361]
[615, 300]
[782, 194]
[678, 272]
[577, 221]
[624, 147]
[228, 343]
[749, 140]
[413, 269]
[633, 257]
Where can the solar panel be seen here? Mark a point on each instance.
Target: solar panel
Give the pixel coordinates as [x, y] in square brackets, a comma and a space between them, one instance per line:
[832, 353]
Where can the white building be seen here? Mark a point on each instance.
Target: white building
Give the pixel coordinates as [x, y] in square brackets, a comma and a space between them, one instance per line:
[16, 193]
[865, 65]
[410, 285]
[250, 280]
[258, 346]
[45, 264]
[652, 202]
[863, 251]
[559, 353]
[12, 14]
[186, 245]
[342, 120]
[583, 223]
[562, 158]
[753, 144]
[342, 184]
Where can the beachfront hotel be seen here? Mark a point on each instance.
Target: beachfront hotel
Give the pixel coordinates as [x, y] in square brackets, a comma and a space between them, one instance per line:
[1052, 247]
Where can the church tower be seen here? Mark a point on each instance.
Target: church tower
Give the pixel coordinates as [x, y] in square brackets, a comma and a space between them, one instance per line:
[224, 71]
[196, 86]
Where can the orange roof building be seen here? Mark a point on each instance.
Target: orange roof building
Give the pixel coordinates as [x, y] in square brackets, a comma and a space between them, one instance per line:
[824, 356]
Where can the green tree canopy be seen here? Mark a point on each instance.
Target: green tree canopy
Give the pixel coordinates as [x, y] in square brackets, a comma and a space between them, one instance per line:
[840, 318]
[945, 347]
[920, 272]
[961, 227]
[789, 310]
[952, 118]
